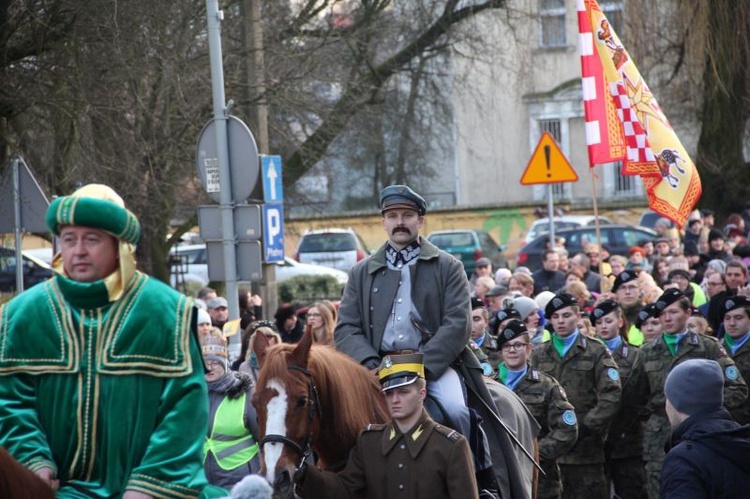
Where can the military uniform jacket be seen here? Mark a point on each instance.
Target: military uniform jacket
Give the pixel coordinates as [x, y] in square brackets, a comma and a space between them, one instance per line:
[654, 362]
[549, 405]
[591, 380]
[741, 358]
[429, 461]
[439, 292]
[488, 352]
[625, 436]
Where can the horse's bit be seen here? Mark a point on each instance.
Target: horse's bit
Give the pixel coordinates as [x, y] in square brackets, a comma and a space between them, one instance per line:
[313, 407]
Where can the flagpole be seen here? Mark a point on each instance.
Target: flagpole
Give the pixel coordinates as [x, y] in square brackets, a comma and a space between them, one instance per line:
[604, 282]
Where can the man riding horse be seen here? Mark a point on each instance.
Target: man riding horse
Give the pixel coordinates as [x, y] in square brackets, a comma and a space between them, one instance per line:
[411, 296]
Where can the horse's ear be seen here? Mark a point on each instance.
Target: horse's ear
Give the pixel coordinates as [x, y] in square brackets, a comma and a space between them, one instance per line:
[260, 346]
[302, 350]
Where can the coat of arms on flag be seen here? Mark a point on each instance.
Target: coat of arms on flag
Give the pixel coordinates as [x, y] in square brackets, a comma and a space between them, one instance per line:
[625, 123]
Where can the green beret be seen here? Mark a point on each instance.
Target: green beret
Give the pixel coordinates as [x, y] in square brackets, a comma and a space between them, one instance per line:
[94, 206]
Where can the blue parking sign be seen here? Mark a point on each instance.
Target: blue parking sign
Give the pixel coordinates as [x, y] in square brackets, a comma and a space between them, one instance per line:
[273, 232]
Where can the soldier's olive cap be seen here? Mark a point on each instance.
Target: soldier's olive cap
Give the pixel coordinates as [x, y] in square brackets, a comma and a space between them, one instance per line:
[667, 298]
[476, 303]
[604, 308]
[559, 302]
[400, 370]
[497, 290]
[623, 277]
[645, 314]
[733, 303]
[401, 196]
[511, 331]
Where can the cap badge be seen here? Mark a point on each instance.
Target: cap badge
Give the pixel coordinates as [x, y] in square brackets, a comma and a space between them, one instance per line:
[388, 362]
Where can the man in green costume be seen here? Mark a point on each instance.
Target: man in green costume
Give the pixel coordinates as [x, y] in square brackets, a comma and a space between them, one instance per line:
[102, 392]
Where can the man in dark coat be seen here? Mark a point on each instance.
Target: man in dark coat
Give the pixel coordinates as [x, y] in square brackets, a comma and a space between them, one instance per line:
[708, 449]
[410, 295]
[411, 456]
[549, 277]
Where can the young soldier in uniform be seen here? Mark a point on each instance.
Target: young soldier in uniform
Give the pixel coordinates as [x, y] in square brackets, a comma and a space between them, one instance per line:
[648, 322]
[623, 448]
[411, 456]
[657, 358]
[628, 292]
[546, 400]
[588, 374]
[736, 311]
[482, 343]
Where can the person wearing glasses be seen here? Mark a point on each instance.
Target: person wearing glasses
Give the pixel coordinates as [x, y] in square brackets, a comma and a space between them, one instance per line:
[321, 321]
[628, 293]
[586, 370]
[546, 401]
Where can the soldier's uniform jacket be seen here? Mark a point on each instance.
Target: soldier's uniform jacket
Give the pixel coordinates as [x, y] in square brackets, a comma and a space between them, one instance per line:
[741, 358]
[430, 461]
[549, 405]
[654, 362]
[591, 380]
[488, 352]
[625, 436]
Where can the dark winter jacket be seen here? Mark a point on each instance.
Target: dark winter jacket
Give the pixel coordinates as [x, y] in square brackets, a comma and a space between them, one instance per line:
[707, 459]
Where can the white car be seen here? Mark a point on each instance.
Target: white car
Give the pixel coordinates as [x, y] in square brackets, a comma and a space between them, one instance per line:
[541, 226]
[335, 248]
[192, 259]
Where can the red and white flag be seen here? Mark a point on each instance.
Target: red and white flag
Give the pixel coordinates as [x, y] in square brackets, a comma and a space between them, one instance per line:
[625, 123]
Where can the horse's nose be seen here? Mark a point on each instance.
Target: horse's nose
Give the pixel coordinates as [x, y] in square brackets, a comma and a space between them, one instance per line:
[283, 482]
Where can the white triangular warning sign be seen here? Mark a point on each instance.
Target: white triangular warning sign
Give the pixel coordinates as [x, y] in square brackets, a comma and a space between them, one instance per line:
[548, 164]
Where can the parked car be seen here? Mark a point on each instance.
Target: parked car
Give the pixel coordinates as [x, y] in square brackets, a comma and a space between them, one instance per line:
[648, 219]
[468, 246]
[335, 248]
[34, 270]
[619, 238]
[193, 260]
[541, 225]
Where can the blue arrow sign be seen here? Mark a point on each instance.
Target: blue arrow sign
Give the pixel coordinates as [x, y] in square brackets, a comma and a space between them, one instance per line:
[273, 191]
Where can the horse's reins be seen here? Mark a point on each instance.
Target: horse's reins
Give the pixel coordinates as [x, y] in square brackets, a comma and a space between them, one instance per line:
[313, 407]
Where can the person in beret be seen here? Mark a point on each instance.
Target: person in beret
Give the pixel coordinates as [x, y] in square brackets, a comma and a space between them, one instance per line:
[482, 343]
[624, 444]
[108, 398]
[736, 320]
[657, 358]
[590, 377]
[410, 295]
[707, 449]
[546, 400]
[627, 290]
[411, 456]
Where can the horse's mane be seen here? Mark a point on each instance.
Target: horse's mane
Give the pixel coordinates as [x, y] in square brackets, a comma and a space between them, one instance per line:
[349, 393]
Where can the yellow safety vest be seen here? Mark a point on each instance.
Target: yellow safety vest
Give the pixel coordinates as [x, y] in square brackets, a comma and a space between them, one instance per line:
[230, 442]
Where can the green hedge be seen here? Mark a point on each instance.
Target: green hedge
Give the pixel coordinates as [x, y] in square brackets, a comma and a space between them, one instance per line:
[309, 289]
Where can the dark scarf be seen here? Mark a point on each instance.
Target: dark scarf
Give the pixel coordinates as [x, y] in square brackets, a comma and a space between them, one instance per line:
[404, 256]
[223, 384]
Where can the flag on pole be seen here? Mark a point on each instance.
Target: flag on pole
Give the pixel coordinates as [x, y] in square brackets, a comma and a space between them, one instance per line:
[625, 123]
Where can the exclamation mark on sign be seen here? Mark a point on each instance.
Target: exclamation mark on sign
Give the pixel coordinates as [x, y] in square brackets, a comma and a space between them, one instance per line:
[546, 159]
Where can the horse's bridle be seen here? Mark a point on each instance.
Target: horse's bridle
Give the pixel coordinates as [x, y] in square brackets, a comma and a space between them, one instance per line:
[313, 407]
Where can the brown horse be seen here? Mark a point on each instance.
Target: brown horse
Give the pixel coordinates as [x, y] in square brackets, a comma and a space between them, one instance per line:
[310, 398]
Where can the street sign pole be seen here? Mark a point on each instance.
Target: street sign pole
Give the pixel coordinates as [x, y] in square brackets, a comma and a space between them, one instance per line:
[215, 17]
[551, 216]
[17, 217]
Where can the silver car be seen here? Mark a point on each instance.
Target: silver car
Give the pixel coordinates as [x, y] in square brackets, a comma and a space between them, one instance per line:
[335, 248]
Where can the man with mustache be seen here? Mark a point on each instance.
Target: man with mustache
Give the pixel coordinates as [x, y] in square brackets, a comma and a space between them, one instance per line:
[411, 296]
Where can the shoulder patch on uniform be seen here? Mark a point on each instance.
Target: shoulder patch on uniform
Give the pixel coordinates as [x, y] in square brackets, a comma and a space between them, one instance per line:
[732, 373]
[613, 374]
[569, 418]
[486, 369]
[447, 432]
[374, 427]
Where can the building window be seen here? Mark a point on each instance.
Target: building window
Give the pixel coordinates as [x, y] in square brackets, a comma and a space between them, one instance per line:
[553, 126]
[625, 185]
[552, 17]
[613, 11]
